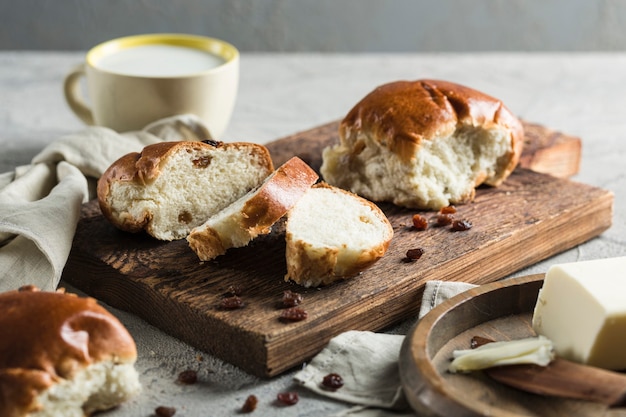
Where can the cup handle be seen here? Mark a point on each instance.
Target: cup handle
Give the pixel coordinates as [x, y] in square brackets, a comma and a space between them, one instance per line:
[71, 88]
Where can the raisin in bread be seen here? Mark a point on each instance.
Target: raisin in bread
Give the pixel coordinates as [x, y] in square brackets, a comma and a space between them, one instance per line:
[171, 187]
[254, 213]
[62, 355]
[333, 234]
[424, 144]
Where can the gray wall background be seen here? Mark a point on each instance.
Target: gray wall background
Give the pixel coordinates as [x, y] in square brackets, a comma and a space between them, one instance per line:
[325, 25]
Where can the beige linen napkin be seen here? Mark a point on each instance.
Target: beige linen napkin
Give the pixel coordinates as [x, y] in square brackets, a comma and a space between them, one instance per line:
[368, 364]
[40, 202]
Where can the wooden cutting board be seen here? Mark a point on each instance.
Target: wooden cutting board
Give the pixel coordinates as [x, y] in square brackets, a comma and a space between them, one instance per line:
[530, 217]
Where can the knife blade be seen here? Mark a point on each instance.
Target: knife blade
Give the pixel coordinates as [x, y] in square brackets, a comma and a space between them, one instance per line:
[566, 379]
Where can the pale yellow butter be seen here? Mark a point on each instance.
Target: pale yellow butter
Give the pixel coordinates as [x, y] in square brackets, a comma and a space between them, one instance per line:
[582, 309]
[532, 350]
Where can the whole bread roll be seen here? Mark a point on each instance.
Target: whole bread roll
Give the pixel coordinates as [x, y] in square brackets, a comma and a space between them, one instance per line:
[62, 355]
[171, 187]
[424, 144]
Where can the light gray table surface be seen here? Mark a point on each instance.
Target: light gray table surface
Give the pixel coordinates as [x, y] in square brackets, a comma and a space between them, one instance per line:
[280, 94]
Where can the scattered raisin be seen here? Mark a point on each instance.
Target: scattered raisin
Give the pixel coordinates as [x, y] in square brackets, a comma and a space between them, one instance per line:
[332, 381]
[211, 142]
[461, 225]
[448, 210]
[478, 341]
[413, 255]
[231, 303]
[420, 222]
[163, 411]
[185, 217]
[188, 377]
[293, 314]
[250, 404]
[288, 398]
[291, 299]
[444, 219]
[201, 162]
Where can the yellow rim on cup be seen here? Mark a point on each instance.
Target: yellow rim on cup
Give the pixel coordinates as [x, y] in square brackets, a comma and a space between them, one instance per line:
[213, 45]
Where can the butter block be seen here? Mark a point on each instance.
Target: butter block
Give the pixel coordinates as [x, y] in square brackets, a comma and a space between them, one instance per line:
[582, 309]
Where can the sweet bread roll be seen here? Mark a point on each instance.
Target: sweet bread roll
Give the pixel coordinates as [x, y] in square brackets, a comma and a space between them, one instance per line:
[424, 144]
[255, 213]
[333, 234]
[62, 355]
[171, 187]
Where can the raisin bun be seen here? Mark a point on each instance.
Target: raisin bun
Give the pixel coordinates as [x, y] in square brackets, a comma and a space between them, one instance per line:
[254, 213]
[171, 187]
[62, 355]
[424, 144]
[333, 234]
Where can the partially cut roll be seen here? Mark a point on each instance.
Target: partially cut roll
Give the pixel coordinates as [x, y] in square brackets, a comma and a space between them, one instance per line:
[424, 144]
[333, 234]
[62, 355]
[254, 213]
[171, 187]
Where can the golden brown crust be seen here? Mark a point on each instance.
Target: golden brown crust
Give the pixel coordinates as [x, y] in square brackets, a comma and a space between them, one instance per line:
[19, 389]
[121, 170]
[144, 167]
[400, 115]
[47, 336]
[278, 195]
[206, 243]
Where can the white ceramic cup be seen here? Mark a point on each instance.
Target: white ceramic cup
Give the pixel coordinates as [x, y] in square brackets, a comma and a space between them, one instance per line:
[135, 80]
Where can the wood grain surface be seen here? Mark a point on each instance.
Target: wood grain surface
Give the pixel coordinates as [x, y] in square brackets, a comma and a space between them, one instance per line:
[529, 218]
[498, 311]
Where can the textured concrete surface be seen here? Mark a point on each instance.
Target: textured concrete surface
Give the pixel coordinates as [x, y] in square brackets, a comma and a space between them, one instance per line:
[581, 94]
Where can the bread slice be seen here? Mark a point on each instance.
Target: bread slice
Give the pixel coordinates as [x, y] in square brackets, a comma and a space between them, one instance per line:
[62, 355]
[333, 234]
[171, 187]
[254, 213]
[424, 144]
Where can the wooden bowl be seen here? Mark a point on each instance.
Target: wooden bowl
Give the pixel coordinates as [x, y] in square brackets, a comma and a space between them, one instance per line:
[500, 311]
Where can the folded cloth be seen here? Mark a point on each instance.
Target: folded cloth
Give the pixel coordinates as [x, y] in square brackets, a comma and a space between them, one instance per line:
[368, 363]
[40, 203]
